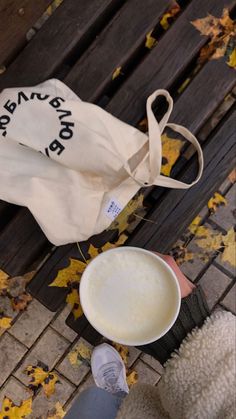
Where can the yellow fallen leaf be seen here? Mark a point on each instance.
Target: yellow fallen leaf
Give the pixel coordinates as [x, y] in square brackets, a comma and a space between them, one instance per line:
[174, 10]
[93, 251]
[56, 413]
[11, 411]
[229, 253]
[5, 322]
[49, 384]
[70, 274]
[195, 224]
[216, 201]
[122, 220]
[73, 299]
[221, 32]
[123, 351]
[132, 378]
[232, 59]
[150, 40]
[41, 376]
[37, 374]
[121, 240]
[170, 153]
[116, 73]
[208, 239]
[80, 354]
[4, 281]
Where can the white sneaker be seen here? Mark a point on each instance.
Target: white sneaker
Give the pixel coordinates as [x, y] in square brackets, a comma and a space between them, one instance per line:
[108, 369]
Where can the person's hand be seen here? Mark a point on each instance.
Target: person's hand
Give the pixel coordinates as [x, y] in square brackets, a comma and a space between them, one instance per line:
[186, 286]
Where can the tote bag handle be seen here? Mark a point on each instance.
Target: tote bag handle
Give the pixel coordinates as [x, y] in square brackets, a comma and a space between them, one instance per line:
[155, 144]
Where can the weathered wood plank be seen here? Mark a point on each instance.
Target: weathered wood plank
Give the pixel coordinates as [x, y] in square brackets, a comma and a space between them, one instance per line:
[22, 241]
[17, 17]
[7, 212]
[115, 47]
[166, 62]
[71, 27]
[179, 208]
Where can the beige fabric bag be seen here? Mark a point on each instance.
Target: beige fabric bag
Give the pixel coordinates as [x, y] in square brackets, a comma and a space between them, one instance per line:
[74, 165]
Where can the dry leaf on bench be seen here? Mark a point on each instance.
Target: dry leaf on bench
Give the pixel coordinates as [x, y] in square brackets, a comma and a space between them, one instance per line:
[222, 35]
[4, 282]
[41, 376]
[73, 299]
[122, 220]
[11, 411]
[232, 59]
[116, 73]
[95, 251]
[170, 153]
[57, 412]
[81, 354]
[215, 202]
[169, 15]
[150, 40]
[70, 274]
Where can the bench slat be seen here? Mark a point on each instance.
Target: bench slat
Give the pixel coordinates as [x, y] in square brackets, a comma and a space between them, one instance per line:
[179, 207]
[115, 47]
[22, 242]
[166, 62]
[17, 17]
[70, 27]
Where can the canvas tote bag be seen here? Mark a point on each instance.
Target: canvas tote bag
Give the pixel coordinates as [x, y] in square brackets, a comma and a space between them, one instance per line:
[74, 165]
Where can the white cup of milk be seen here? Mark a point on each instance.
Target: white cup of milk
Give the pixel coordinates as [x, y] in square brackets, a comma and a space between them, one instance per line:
[130, 295]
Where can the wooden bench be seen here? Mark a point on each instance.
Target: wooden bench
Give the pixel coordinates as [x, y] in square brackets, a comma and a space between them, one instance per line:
[83, 43]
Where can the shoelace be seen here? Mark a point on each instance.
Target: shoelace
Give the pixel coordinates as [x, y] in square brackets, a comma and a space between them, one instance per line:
[109, 377]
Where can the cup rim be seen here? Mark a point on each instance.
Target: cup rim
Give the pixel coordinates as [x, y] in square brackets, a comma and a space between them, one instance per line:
[131, 342]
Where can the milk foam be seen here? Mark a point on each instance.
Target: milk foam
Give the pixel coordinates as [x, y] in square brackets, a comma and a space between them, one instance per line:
[130, 295]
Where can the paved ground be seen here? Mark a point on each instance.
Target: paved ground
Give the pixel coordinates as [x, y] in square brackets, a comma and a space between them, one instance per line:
[39, 335]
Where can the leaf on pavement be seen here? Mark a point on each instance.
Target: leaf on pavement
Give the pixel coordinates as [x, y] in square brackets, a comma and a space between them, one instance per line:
[222, 36]
[4, 282]
[70, 274]
[57, 412]
[12, 411]
[116, 73]
[170, 153]
[123, 351]
[229, 253]
[132, 378]
[121, 222]
[20, 303]
[194, 226]
[73, 299]
[80, 354]
[150, 40]
[5, 323]
[41, 376]
[215, 202]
